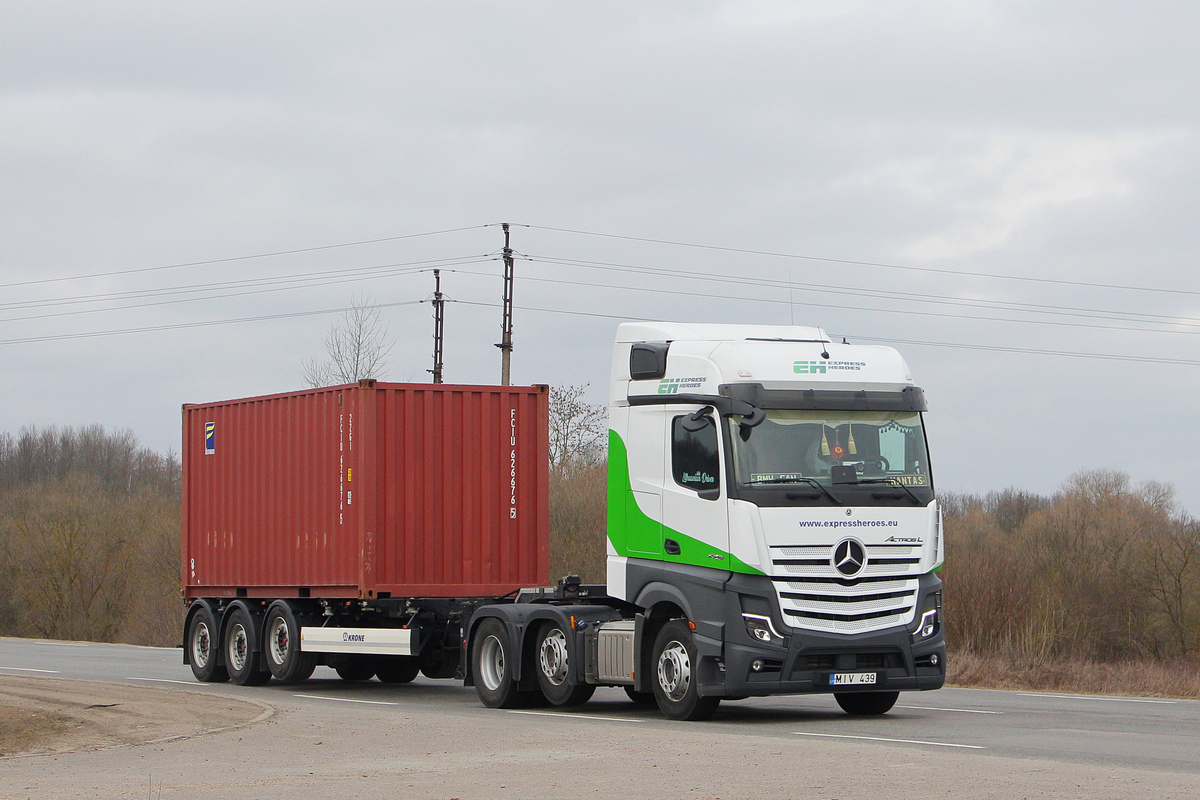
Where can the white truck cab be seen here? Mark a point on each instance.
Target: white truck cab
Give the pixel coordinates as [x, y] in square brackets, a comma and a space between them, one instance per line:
[775, 488]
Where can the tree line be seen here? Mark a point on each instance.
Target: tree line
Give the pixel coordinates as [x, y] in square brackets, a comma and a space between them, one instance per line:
[89, 537]
[1102, 570]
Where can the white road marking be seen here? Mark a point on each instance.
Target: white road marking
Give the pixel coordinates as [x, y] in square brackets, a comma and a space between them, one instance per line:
[1094, 697]
[960, 710]
[164, 680]
[65, 644]
[894, 741]
[30, 669]
[347, 700]
[577, 716]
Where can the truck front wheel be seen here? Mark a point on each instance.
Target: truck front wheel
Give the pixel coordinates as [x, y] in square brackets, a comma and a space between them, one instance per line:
[282, 647]
[240, 658]
[554, 669]
[204, 647]
[675, 679]
[491, 667]
[866, 704]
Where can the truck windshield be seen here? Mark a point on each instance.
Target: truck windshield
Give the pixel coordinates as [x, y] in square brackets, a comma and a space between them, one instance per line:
[832, 451]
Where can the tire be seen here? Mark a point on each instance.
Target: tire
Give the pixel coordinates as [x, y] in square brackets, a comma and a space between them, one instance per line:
[675, 678]
[438, 663]
[397, 669]
[281, 646]
[491, 667]
[204, 647]
[640, 698]
[554, 669]
[240, 659]
[355, 668]
[866, 704]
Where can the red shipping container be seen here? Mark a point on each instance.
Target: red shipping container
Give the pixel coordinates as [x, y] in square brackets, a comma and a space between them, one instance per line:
[368, 490]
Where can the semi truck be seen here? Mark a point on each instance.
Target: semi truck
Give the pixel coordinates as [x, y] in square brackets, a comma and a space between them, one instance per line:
[771, 529]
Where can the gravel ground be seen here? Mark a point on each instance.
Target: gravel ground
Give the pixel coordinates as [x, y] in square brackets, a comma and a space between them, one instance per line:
[43, 715]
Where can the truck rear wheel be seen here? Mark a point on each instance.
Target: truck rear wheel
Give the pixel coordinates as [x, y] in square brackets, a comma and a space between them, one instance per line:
[554, 669]
[282, 647]
[866, 704]
[491, 667]
[397, 669]
[675, 679]
[204, 647]
[240, 658]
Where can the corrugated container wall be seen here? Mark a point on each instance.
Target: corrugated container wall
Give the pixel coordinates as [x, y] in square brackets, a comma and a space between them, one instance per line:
[367, 490]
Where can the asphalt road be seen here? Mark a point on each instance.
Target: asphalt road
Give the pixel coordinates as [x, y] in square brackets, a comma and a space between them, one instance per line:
[331, 739]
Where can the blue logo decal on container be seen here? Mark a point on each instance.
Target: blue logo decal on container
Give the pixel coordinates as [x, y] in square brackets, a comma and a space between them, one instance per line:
[210, 438]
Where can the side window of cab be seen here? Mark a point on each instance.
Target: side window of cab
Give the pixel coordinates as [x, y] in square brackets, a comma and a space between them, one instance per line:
[695, 456]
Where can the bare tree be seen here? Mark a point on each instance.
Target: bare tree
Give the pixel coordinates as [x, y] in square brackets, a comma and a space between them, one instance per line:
[578, 429]
[356, 347]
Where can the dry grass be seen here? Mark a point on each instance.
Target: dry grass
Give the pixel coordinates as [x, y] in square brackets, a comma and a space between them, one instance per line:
[1179, 678]
[25, 729]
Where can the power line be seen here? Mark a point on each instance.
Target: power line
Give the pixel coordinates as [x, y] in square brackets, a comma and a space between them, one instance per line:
[304, 283]
[238, 258]
[809, 304]
[185, 325]
[1090, 313]
[955, 345]
[882, 265]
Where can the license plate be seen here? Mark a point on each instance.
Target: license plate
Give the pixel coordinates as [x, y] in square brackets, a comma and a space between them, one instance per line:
[852, 679]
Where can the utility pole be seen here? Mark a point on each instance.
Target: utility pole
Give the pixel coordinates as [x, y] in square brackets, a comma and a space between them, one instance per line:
[506, 344]
[439, 318]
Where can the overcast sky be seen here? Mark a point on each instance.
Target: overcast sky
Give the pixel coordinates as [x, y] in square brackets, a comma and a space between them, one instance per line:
[1005, 191]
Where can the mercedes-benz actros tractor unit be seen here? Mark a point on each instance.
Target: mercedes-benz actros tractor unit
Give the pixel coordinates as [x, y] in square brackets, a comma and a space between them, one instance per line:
[772, 529]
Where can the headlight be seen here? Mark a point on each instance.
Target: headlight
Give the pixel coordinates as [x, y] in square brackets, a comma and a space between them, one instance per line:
[761, 628]
[929, 622]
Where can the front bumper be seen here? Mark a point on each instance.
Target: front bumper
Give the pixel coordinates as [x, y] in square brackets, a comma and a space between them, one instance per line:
[802, 663]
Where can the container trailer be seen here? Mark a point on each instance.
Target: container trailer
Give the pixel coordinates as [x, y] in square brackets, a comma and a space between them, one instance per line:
[772, 529]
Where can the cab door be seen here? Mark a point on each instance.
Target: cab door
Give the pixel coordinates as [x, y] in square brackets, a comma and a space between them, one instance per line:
[695, 526]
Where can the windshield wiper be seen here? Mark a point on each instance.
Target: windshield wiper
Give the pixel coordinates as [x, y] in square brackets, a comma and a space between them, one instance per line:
[809, 481]
[892, 482]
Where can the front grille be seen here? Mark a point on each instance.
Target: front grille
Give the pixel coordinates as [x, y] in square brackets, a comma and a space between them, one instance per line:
[856, 661]
[813, 595]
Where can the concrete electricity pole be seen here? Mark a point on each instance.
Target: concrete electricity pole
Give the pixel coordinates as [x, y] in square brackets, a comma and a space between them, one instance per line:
[506, 344]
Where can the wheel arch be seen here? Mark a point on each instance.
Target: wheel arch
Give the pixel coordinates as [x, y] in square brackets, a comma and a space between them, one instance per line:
[662, 603]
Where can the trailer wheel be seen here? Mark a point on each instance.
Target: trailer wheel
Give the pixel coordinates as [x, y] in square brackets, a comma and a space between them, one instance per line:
[554, 669]
[866, 704]
[397, 669]
[675, 679]
[203, 647]
[491, 667]
[240, 658]
[282, 647]
[355, 668]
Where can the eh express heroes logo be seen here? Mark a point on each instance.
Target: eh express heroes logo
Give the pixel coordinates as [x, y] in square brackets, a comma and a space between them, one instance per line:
[675, 385]
[824, 367]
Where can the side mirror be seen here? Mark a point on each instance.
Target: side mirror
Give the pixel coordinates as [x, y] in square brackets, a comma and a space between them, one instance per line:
[698, 421]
